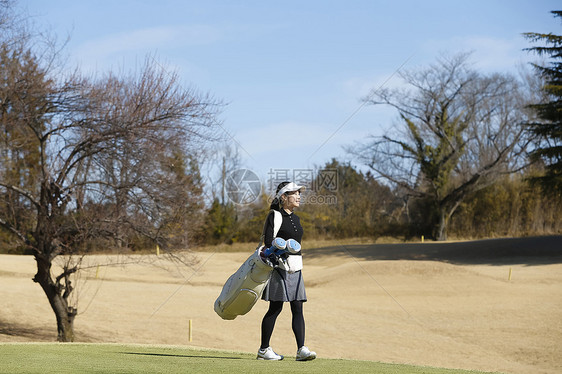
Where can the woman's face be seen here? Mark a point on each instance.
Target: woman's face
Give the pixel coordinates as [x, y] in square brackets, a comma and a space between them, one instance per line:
[292, 200]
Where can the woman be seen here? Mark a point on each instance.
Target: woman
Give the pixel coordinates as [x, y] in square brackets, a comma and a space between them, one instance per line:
[285, 284]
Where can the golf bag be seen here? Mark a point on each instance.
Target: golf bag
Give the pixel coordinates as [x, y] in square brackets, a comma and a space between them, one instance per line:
[245, 287]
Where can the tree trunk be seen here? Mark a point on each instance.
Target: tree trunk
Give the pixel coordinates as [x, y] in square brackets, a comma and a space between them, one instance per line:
[441, 234]
[64, 314]
[445, 214]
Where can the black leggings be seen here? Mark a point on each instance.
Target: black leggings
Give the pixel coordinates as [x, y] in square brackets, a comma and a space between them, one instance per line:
[268, 322]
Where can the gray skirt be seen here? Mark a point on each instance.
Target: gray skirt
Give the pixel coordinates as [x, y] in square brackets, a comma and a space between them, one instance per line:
[284, 286]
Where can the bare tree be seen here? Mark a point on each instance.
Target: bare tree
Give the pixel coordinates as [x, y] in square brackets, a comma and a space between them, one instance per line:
[459, 131]
[222, 160]
[111, 161]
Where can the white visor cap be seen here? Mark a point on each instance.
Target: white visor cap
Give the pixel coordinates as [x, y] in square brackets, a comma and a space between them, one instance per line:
[290, 188]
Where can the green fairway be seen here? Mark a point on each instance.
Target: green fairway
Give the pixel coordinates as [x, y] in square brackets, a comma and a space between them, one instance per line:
[119, 358]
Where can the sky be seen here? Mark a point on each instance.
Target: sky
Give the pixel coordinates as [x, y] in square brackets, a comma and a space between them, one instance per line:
[292, 74]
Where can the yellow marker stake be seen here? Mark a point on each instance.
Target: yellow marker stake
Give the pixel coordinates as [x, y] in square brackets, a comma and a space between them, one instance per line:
[422, 238]
[509, 277]
[157, 250]
[190, 330]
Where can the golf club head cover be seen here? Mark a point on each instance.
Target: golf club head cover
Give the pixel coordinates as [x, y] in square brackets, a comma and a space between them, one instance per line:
[293, 247]
[278, 245]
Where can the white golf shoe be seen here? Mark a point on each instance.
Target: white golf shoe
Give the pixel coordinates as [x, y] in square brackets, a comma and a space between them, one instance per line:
[268, 354]
[305, 354]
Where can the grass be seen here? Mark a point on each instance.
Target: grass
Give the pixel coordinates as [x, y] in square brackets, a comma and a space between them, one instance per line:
[17, 358]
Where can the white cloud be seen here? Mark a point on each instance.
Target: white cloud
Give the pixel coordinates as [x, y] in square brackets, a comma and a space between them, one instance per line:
[364, 86]
[139, 42]
[295, 144]
[488, 53]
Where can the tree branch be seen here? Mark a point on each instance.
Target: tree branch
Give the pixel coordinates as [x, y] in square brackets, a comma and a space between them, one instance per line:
[14, 231]
[23, 193]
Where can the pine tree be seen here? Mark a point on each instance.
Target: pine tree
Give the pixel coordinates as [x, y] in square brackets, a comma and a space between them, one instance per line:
[548, 127]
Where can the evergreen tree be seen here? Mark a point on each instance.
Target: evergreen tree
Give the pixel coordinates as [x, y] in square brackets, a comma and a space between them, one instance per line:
[548, 127]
